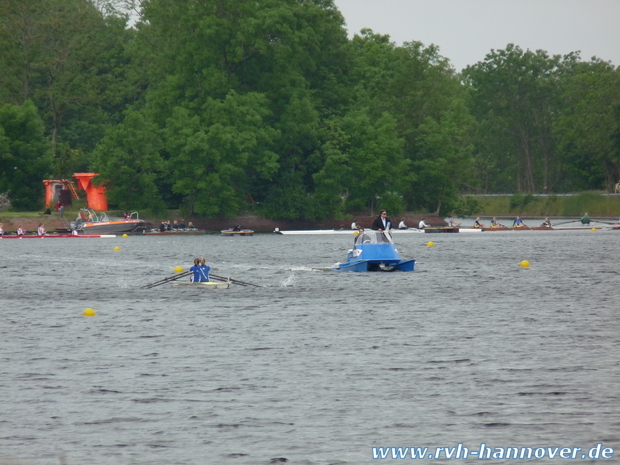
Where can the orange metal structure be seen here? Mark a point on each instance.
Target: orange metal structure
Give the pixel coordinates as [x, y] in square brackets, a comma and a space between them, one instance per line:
[95, 195]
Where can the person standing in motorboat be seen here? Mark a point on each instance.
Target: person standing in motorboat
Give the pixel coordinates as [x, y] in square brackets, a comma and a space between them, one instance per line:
[382, 222]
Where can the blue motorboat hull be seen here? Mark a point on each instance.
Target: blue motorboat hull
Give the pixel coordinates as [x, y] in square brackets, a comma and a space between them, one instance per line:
[362, 266]
[374, 256]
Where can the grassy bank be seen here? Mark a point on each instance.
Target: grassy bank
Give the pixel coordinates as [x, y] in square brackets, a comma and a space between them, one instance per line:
[528, 205]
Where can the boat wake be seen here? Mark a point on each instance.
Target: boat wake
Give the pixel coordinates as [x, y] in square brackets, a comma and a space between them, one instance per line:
[288, 282]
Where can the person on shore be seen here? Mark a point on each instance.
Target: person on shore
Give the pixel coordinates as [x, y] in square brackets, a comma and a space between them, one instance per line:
[546, 223]
[402, 224]
[422, 224]
[477, 223]
[204, 270]
[585, 219]
[518, 223]
[41, 230]
[382, 222]
[60, 208]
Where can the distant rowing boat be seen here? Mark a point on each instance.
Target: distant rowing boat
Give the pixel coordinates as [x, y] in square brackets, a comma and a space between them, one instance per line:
[175, 232]
[240, 232]
[54, 236]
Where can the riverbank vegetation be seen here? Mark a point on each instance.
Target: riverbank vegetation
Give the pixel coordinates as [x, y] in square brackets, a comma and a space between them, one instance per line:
[594, 203]
[217, 107]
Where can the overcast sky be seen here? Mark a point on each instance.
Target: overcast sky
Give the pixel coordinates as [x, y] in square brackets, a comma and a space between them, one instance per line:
[466, 30]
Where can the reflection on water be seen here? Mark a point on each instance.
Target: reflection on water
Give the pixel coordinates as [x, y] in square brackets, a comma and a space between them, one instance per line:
[315, 367]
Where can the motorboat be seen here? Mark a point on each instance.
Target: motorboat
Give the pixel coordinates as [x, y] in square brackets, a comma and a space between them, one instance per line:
[89, 221]
[374, 251]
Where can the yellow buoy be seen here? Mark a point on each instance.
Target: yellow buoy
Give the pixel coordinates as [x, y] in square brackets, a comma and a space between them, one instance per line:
[593, 229]
[355, 233]
[89, 312]
[178, 269]
[430, 244]
[525, 264]
[125, 236]
[117, 248]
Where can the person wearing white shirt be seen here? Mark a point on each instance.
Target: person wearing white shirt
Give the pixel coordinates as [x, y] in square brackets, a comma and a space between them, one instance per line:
[402, 225]
[423, 225]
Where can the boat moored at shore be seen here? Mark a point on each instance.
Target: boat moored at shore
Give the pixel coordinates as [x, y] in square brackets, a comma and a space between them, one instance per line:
[90, 222]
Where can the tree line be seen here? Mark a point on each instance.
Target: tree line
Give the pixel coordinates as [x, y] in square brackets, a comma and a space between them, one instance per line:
[217, 107]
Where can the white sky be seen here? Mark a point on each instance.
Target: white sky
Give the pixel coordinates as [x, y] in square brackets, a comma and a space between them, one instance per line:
[466, 30]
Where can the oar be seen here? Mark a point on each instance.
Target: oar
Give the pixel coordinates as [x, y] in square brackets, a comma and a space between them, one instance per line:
[234, 281]
[167, 280]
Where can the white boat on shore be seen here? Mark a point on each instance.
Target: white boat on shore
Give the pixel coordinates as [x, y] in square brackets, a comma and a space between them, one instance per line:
[349, 232]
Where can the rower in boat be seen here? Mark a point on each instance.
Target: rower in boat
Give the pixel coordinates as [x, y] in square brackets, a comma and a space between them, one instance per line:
[518, 223]
[546, 223]
[585, 219]
[477, 223]
[41, 230]
[200, 271]
[495, 224]
[423, 224]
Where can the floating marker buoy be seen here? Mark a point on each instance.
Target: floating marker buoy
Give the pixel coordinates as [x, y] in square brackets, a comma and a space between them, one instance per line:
[117, 248]
[355, 233]
[593, 229]
[125, 236]
[525, 264]
[178, 269]
[89, 312]
[430, 244]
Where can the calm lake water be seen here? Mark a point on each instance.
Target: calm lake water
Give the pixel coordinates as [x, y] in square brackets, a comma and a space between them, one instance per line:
[315, 367]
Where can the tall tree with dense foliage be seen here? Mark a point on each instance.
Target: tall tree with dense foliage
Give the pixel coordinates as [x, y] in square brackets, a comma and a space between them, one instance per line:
[587, 124]
[515, 96]
[129, 164]
[24, 156]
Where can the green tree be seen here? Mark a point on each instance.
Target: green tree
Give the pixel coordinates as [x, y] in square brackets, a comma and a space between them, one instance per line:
[218, 157]
[586, 126]
[515, 95]
[24, 156]
[129, 163]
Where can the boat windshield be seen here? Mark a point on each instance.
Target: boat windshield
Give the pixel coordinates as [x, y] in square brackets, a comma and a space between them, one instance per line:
[372, 237]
